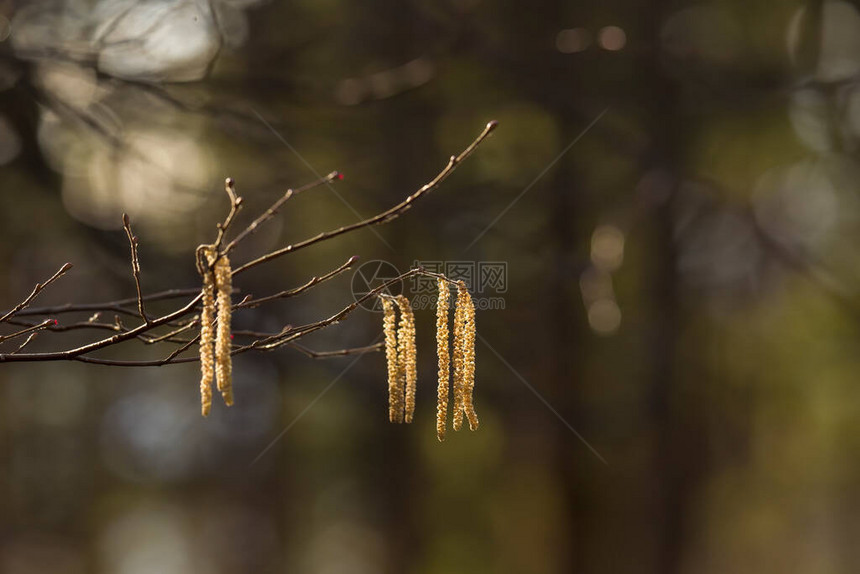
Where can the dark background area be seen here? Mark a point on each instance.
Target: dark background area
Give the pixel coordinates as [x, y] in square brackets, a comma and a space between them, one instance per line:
[673, 187]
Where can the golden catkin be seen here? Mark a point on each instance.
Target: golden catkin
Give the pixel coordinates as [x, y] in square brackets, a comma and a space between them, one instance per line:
[223, 343]
[407, 356]
[207, 340]
[459, 346]
[468, 360]
[444, 358]
[395, 393]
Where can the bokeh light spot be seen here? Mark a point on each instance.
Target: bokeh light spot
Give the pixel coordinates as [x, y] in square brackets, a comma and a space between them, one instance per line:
[612, 38]
[604, 316]
[573, 40]
[607, 247]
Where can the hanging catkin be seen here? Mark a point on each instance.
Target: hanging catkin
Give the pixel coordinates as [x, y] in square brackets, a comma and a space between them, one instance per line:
[459, 343]
[468, 359]
[207, 339]
[395, 394]
[444, 358]
[223, 344]
[407, 356]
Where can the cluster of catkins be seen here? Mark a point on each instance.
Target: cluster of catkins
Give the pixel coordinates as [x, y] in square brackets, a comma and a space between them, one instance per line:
[215, 344]
[400, 353]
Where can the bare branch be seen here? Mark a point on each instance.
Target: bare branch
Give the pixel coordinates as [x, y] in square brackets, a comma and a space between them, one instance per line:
[30, 328]
[385, 216]
[26, 342]
[116, 327]
[178, 321]
[181, 350]
[273, 210]
[118, 338]
[339, 353]
[235, 206]
[135, 266]
[298, 332]
[36, 290]
[169, 336]
[252, 303]
[117, 306]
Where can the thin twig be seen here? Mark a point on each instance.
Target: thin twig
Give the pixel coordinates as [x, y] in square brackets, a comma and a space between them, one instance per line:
[36, 290]
[297, 332]
[38, 327]
[273, 210]
[169, 336]
[252, 303]
[135, 266]
[181, 350]
[115, 327]
[117, 306]
[235, 207]
[339, 353]
[118, 338]
[385, 216]
[26, 342]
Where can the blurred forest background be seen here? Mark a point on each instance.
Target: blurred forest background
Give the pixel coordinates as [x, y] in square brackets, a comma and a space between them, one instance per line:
[674, 189]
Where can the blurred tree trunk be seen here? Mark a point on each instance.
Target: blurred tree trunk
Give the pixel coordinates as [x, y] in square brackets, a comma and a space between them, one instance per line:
[567, 327]
[679, 454]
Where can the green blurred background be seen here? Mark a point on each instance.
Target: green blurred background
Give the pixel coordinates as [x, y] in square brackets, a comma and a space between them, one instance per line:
[673, 186]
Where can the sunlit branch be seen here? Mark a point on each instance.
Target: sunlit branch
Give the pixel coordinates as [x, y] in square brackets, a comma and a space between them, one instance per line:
[235, 207]
[314, 281]
[178, 320]
[35, 293]
[28, 329]
[385, 216]
[297, 332]
[338, 353]
[135, 266]
[117, 306]
[118, 338]
[273, 210]
[26, 342]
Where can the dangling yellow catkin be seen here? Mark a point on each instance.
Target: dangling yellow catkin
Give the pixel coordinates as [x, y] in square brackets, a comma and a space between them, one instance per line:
[207, 340]
[407, 355]
[468, 360]
[459, 346]
[444, 358]
[395, 393]
[223, 343]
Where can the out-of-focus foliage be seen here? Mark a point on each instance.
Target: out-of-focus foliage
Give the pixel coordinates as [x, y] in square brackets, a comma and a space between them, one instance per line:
[682, 288]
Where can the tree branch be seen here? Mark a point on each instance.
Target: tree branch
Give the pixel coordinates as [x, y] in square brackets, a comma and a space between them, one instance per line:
[380, 218]
[269, 213]
[36, 290]
[135, 266]
[146, 332]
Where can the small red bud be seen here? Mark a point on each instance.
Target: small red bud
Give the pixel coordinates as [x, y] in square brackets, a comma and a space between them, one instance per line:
[231, 336]
[340, 175]
[56, 322]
